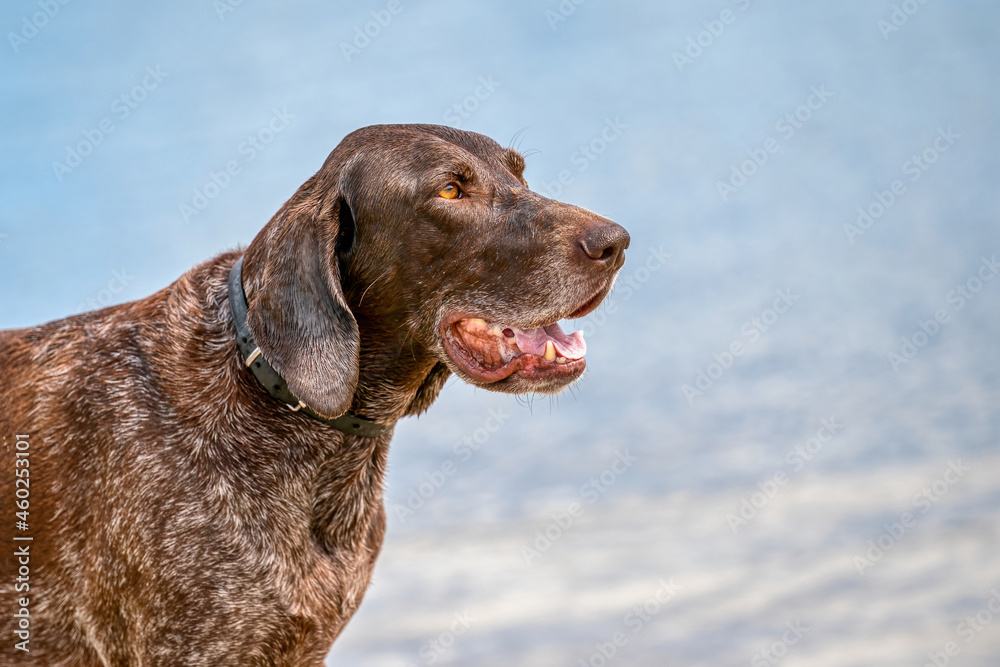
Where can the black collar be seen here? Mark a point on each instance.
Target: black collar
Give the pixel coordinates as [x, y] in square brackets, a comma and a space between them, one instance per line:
[269, 378]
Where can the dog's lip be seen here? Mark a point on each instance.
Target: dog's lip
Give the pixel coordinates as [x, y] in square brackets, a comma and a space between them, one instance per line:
[526, 364]
[591, 304]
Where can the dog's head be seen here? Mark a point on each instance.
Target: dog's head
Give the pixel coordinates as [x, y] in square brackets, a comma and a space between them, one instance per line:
[424, 242]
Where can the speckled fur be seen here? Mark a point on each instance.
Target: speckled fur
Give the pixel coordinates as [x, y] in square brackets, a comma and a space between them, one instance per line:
[180, 515]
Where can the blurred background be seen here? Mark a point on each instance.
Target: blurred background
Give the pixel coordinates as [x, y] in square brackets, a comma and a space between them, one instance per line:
[785, 448]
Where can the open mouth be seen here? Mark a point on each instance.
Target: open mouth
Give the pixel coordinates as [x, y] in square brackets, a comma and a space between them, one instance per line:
[492, 351]
[545, 357]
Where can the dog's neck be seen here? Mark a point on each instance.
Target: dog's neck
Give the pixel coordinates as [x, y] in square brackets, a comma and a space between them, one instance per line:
[396, 378]
[394, 381]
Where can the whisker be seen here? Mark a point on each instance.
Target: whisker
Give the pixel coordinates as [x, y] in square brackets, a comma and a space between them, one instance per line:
[517, 137]
[362, 299]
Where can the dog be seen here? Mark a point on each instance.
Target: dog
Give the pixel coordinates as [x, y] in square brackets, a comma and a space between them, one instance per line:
[198, 474]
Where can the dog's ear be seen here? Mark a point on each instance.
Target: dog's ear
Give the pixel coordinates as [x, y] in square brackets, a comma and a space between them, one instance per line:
[297, 312]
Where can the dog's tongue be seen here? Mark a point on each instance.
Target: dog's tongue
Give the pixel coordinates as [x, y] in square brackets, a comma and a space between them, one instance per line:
[532, 341]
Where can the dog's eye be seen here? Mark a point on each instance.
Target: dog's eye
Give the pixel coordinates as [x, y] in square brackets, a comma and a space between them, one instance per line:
[450, 192]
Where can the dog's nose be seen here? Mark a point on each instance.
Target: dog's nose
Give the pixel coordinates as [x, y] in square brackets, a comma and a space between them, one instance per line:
[605, 243]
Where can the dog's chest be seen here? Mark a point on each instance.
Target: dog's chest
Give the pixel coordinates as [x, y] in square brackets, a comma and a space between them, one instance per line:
[323, 562]
[320, 591]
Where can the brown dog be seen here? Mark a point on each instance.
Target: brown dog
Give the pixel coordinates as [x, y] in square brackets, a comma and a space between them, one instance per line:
[172, 508]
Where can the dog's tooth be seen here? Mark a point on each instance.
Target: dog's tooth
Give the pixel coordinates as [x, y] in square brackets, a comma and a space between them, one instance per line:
[476, 323]
[550, 351]
[561, 360]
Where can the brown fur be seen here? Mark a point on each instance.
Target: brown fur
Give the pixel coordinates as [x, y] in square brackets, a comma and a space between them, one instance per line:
[180, 515]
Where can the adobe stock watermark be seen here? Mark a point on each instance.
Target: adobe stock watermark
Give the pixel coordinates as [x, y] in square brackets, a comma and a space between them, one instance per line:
[779, 648]
[701, 41]
[968, 630]
[585, 155]
[923, 501]
[626, 286]
[365, 34]
[470, 104]
[121, 107]
[786, 126]
[31, 26]
[119, 281]
[247, 151]
[223, 7]
[435, 480]
[796, 458]
[591, 492]
[929, 328]
[915, 168]
[637, 618]
[435, 649]
[752, 330]
[21, 505]
[562, 12]
[899, 17]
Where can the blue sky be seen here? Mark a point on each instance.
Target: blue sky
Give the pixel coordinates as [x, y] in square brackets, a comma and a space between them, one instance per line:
[738, 138]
